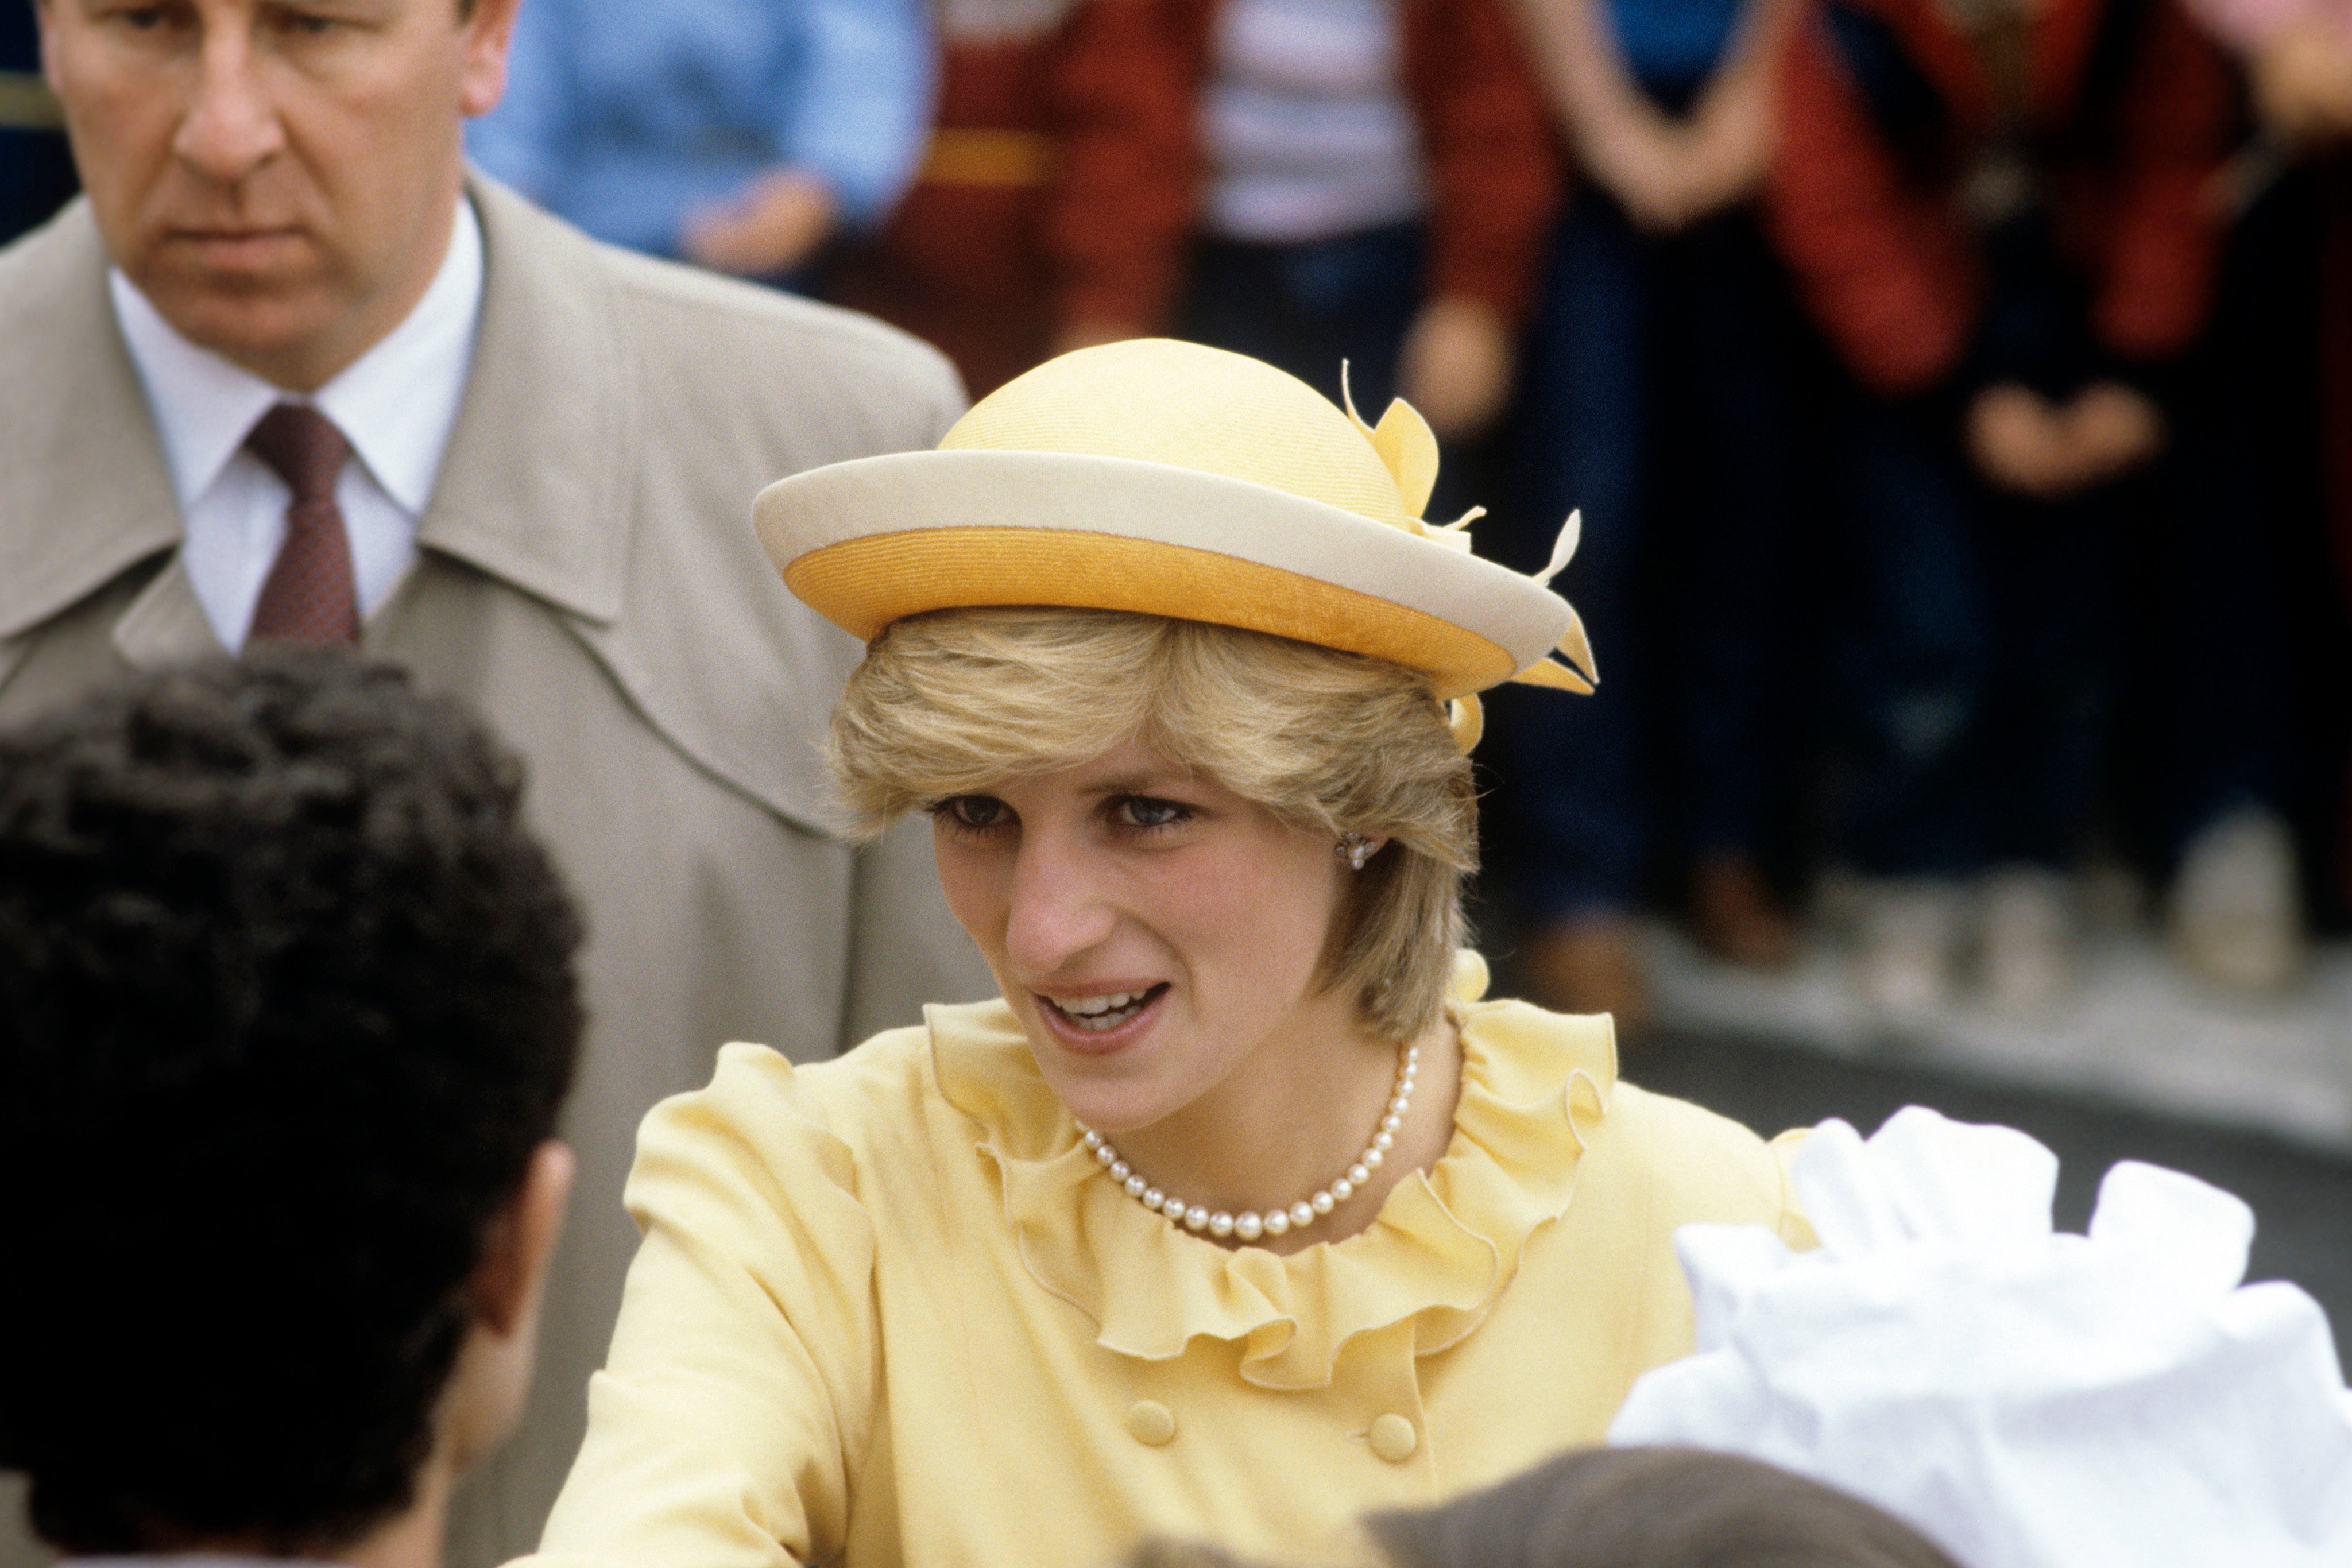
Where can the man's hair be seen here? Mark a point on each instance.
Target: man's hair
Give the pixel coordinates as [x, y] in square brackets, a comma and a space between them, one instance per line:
[287, 1004]
[1655, 1508]
[963, 701]
[1631, 1507]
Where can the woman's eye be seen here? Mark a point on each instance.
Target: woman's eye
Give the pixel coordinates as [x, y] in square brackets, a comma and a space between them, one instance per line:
[974, 810]
[1143, 811]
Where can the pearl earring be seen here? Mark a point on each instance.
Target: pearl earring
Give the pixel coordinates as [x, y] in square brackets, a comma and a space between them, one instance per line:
[1355, 849]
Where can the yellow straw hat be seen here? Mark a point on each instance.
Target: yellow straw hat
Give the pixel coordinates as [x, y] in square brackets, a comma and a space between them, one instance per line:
[1167, 479]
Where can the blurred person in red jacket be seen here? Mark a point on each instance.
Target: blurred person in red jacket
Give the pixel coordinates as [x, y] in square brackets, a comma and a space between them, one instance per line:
[1999, 213]
[1656, 398]
[960, 261]
[1306, 181]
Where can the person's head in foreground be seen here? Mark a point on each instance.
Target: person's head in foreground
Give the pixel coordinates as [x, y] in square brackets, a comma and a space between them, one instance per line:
[287, 1014]
[1635, 1507]
[1159, 639]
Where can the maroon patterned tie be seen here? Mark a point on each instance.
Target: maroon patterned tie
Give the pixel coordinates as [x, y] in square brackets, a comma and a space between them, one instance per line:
[308, 596]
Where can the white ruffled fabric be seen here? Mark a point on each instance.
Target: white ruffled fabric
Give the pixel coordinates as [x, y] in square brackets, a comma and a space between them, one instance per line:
[2028, 1399]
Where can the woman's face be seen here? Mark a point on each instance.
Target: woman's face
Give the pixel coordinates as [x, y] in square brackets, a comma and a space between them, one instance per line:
[1156, 934]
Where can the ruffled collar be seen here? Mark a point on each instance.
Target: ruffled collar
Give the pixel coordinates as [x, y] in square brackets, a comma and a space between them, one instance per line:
[1443, 1248]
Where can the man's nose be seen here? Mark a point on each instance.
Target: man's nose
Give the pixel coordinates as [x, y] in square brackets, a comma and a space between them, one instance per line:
[230, 126]
[1059, 907]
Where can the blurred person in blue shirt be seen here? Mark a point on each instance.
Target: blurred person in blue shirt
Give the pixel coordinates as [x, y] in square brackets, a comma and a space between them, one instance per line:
[737, 134]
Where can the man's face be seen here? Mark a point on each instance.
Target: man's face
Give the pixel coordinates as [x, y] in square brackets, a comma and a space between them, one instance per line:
[277, 176]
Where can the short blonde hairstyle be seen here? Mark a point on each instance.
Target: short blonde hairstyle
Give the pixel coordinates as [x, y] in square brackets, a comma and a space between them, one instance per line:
[959, 702]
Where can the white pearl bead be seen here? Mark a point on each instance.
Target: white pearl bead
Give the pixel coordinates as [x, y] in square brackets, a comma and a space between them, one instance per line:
[1153, 1198]
[1388, 1124]
[1249, 1227]
[1412, 1054]
[1343, 1189]
[1323, 1201]
[1106, 1155]
[1137, 1187]
[1221, 1224]
[1196, 1217]
[1359, 1173]
[1397, 1102]
[1277, 1221]
[1302, 1215]
[1383, 1140]
[1121, 1170]
[1372, 1158]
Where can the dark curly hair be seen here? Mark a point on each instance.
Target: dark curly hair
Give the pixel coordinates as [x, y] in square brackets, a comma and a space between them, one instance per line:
[286, 1003]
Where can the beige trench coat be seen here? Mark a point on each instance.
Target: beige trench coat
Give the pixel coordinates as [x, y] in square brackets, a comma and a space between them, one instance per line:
[588, 577]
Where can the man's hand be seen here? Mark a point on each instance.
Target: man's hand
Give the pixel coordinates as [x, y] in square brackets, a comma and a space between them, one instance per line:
[2024, 443]
[1455, 365]
[777, 223]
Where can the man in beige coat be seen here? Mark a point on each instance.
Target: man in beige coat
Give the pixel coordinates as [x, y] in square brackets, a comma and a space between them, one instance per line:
[276, 190]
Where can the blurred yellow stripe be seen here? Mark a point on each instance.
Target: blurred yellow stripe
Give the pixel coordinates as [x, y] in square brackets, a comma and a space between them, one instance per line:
[988, 157]
[27, 104]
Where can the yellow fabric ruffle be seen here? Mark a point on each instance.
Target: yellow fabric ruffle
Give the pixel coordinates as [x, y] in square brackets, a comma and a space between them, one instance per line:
[1444, 1245]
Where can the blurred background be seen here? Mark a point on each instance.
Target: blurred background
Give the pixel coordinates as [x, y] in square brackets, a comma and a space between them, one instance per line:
[1956, 396]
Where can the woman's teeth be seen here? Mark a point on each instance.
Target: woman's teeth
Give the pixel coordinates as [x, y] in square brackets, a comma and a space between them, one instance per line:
[1102, 1012]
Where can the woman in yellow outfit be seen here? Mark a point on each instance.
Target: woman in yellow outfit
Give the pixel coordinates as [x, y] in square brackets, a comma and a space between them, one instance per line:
[1242, 1212]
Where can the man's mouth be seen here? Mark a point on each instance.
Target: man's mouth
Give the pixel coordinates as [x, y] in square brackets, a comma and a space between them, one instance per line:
[1099, 1014]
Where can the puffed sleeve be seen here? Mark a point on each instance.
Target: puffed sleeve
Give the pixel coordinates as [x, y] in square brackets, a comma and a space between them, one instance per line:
[736, 1401]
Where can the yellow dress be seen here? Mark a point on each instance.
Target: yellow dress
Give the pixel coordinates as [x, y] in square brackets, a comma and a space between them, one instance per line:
[889, 1310]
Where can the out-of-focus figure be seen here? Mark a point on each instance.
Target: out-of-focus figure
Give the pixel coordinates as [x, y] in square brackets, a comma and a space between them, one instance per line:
[737, 134]
[1308, 181]
[2299, 58]
[961, 260]
[36, 174]
[1659, 372]
[2000, 211]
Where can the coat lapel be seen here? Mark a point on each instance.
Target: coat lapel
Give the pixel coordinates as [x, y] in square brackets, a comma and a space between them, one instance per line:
[534, 486]
[87, 495]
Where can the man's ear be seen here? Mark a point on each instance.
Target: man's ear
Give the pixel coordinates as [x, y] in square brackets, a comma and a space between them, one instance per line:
[504, 1288]
[490, 32]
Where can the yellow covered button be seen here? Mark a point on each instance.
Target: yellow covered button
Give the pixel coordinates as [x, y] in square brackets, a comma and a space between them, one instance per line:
[1394, 1439]
[1150, 1421]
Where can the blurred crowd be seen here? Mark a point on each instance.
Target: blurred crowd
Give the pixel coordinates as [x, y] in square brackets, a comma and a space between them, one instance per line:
[1957, 394]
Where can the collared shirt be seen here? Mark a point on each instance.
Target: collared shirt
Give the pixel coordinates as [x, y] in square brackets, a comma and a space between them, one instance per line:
[395, 405]
[624, 117]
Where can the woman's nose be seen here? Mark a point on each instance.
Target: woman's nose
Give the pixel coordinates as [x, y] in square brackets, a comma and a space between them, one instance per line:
[1058, 907]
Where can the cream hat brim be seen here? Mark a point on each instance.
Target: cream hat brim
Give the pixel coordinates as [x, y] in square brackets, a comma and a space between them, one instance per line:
[869, 541]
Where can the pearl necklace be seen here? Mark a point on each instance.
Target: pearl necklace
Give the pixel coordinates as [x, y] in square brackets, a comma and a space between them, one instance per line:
[1248, 1226]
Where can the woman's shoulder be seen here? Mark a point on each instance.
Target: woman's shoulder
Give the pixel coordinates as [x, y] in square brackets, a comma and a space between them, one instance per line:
[879, 1093]
[1689, 1163]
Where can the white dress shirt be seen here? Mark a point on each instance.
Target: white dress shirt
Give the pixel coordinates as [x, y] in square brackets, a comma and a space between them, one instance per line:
[395, 404]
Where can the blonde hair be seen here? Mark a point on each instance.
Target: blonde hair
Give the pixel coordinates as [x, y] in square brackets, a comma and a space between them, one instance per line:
[960, 701]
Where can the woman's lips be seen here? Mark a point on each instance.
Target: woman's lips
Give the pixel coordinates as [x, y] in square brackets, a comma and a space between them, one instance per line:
[1094, 1039]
